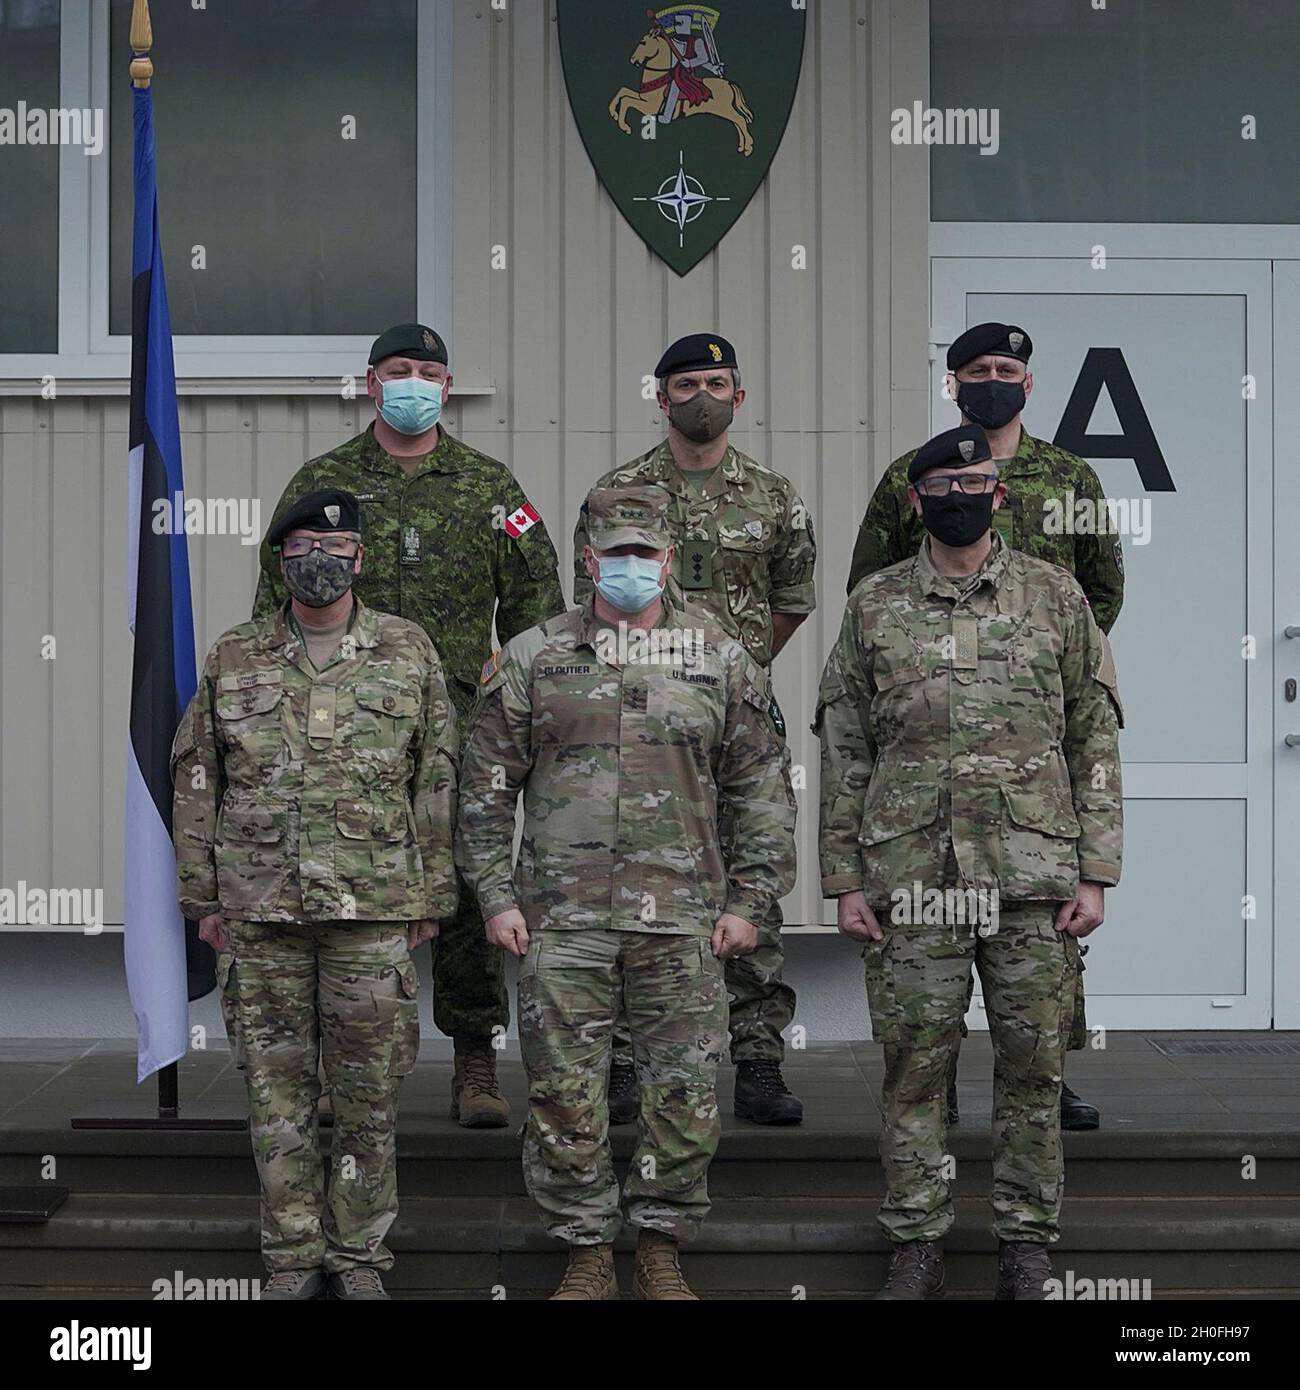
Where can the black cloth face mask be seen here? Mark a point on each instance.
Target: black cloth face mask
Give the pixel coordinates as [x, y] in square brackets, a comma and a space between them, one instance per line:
[957, 520]
[991, 404]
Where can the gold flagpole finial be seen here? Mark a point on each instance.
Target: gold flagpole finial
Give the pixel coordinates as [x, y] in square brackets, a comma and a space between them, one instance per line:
[141, 43]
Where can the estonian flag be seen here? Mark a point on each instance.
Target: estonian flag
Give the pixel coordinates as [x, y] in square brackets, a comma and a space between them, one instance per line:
[166, 963]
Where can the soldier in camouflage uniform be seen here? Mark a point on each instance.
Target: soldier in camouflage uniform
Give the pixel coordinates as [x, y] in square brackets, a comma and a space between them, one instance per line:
[315, 791]
[624, 723]
[451, 540]
[971, 812]
[989, 379]
[745, 554]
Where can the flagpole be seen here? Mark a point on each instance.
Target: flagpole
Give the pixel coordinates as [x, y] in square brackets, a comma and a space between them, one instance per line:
[168, 1113]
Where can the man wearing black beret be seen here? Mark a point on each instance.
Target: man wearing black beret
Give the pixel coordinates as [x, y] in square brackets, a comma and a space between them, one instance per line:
[451, 542]
[744, 554]
[989, 379]
[971, 817]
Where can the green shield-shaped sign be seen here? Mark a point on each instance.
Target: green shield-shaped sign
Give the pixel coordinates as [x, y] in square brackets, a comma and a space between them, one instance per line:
[682, 108]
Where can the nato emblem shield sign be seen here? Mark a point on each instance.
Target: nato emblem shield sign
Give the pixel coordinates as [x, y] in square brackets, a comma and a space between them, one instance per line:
[681, 108]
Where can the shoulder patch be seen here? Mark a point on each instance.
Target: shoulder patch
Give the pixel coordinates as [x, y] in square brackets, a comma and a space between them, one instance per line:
[521, 521]
[490, 668]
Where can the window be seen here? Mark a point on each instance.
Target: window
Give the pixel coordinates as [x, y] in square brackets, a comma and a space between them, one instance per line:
[1132, 113]
[304, 186]
[29, 177]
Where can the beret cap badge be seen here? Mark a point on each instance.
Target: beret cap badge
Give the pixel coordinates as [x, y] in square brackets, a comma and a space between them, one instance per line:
[966, 448]
[1016, 339]
[332, 514]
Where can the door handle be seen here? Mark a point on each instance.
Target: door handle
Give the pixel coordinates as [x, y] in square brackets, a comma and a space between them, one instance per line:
[1292, 740]
[1291, 632]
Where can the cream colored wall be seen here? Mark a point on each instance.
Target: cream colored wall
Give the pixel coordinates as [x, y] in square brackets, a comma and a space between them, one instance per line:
[834, 359]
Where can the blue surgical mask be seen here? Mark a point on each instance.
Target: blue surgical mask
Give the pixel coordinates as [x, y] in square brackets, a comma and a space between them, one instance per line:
[411, 404]
[628, 582]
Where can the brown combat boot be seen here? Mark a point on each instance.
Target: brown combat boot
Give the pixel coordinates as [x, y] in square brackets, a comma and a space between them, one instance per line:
[590, 1275]
[1024, 1268]
[658, 1275]
[476, 1099]
[915, 1272]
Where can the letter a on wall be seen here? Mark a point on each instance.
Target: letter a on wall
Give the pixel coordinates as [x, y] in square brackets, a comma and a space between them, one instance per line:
[681, 108]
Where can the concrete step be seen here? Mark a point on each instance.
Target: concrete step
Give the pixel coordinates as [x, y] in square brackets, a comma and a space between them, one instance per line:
[774, 1247]
[439, 1159]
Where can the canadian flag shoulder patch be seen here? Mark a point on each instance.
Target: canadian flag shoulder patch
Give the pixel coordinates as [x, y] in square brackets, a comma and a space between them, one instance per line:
[522, 520]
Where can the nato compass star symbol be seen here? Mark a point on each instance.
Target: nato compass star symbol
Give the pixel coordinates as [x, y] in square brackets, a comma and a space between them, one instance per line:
[681, 199]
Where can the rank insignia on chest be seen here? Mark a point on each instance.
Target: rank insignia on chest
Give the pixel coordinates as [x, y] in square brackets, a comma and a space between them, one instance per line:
[410, 545]
[697, 564]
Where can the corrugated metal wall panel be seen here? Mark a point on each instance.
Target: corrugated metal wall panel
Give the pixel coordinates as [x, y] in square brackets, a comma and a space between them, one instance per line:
[833, 357]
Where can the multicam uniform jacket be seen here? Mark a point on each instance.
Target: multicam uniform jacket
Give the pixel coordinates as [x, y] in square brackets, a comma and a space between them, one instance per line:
[308, 796]
[977, 720]
[622, 763]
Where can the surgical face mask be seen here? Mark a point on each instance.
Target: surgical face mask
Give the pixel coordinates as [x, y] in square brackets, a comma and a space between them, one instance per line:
[991, 404]
[410, 404]
[702, 418]
[318, 579]
[957, 520]
[628, 582]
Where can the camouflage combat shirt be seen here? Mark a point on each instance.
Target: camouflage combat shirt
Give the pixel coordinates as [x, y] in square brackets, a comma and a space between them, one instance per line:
[321, 795]
[437, 549]
[977, 719]
[1037, 473]
[622, 764]
[745, 544]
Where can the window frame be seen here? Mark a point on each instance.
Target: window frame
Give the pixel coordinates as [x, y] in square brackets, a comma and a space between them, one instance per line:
[92, 361]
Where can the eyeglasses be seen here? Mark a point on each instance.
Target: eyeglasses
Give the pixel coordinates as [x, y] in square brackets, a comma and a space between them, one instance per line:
[972, 484]
[343, 546]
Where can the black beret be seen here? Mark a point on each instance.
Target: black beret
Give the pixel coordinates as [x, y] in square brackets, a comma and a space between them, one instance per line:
[951, 449]
[328, 510]
[695, 352]
[1005, 339]
[409, 340]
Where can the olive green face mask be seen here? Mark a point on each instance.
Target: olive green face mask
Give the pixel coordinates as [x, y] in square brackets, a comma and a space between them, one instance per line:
[702, 418]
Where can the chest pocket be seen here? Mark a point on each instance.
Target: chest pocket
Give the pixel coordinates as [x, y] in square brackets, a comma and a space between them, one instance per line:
[745, 560]
[901, 704]
[249, 716]
[386, 718]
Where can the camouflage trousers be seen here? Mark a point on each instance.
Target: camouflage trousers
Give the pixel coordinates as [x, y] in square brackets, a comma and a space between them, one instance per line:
[469, 981]
[762, 1004]
[570, 985]
[917, 983]
[1078, 1038]
[350, 990]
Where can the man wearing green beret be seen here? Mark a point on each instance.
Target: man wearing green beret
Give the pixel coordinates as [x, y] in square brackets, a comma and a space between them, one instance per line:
[989, 380]
[744, 554]
[451, 543]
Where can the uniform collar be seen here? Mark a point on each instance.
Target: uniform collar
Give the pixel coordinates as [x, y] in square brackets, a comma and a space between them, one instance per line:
[447, 457]
[663, 468]
[590, 626]
[1028, 456]
[991, 572]
[364, 630]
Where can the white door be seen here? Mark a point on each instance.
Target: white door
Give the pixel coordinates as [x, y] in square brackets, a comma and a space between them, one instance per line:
[1159, 372]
